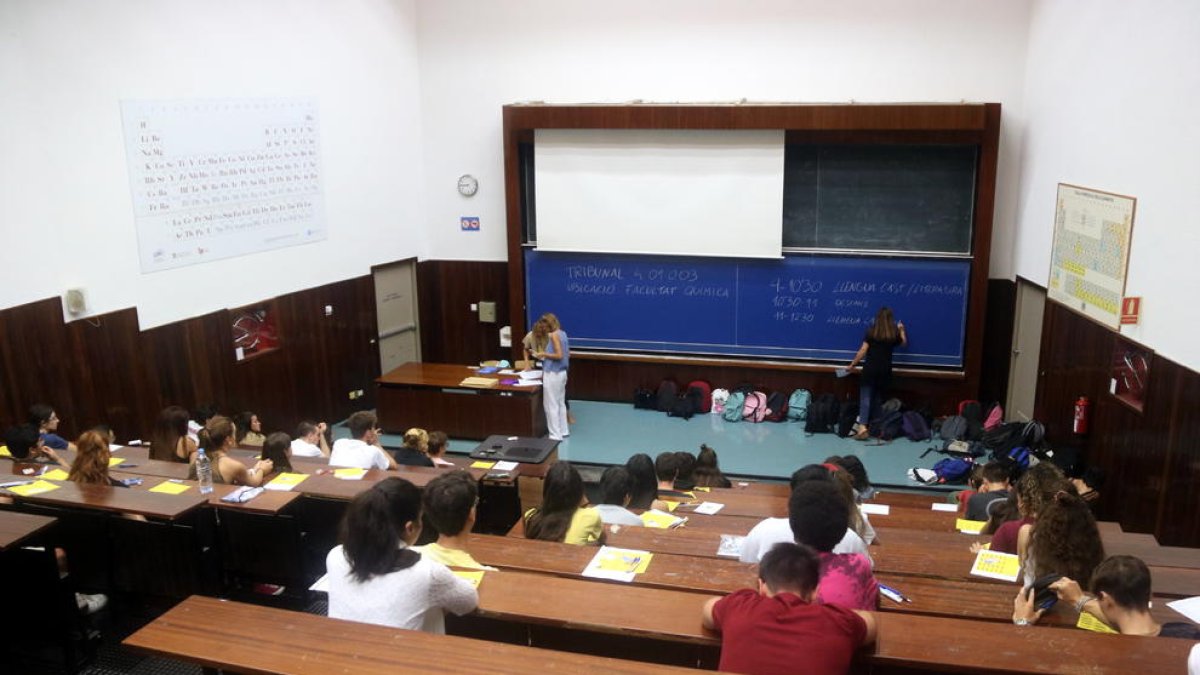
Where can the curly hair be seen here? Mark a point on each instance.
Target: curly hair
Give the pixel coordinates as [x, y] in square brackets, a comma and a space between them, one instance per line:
[1038, 486]
[91, 463]
[1065, 539]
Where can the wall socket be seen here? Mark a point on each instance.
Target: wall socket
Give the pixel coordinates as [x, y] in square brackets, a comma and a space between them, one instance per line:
[356, 394]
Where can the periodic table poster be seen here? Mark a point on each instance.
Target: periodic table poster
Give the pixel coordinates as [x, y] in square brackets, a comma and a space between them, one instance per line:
[220, 178]
[1092, 231]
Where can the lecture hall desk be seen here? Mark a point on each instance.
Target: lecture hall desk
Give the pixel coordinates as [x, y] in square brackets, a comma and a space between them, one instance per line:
[18, 528]
[212, 633]
[429, 396]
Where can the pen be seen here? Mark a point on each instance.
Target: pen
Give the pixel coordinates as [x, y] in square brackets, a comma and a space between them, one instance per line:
[893, 594]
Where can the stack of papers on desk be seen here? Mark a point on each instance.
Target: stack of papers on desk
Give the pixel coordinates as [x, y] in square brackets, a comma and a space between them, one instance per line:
[37, 487]
[171, 487]
[661, 519]
[55, 474]
[731, 546]
[479, 382]
[349, 473]
[284, 482]
[531, 375]
[996, 565]
[618, 564]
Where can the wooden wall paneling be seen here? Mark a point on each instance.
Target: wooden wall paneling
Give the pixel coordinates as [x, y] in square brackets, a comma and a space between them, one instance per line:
[1179, 508]
[450, 331]
[113, 379]
[1074, 362]
[997, 340]
[36, 358]
[188, 361]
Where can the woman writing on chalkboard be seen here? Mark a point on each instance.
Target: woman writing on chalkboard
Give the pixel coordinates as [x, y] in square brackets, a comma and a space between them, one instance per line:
[884, 335]
[556, 357]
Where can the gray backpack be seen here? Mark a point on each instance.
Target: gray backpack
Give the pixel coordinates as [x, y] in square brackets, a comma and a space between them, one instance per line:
[953, 428]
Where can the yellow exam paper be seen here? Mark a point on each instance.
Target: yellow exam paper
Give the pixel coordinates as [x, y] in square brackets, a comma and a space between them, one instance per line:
[351, 473]
[703, 489]
[623, 560]
[4, 451]
[113, 461]
[969, 526]
[658, 519]
[37, 487]
[671, 506]
[55, 474]
[168, 487]
[474, 577]
[1089, 622]
[996, 565]
[482, 465]
[290, 480]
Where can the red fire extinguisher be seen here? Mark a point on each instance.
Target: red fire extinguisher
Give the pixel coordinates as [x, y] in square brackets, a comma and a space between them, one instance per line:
[1082, 406]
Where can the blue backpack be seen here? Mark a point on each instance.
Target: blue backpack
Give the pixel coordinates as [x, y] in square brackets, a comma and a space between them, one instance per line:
[953, 469]
[733, 406]
[797, 406]
[914, 426]
[1020, 457]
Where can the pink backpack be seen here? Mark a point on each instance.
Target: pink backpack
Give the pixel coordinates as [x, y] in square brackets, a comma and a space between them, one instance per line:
[995, 418]
[755, 408]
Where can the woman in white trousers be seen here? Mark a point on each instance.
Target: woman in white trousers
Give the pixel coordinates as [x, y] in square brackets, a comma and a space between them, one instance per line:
[556, 359]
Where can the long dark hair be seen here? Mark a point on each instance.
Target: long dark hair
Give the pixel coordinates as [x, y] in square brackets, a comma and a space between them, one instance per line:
[707, 472]
[373, 529]
[171, 425]
[561, 494]
[645, 484]
[1065, 539]
[275, 448]
[884, 327]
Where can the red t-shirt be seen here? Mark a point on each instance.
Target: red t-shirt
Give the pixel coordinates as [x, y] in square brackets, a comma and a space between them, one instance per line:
[784, 634]
[1005, 538]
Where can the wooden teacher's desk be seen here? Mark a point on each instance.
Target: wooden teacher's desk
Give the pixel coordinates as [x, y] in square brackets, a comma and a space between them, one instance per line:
[430, 396]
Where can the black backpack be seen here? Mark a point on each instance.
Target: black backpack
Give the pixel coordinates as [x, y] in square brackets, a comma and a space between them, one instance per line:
[644, 399]
[684, 406]
[668, 391]
[887, 426]
[1003, 438]
[847, 417]
[822, 415]
[777, 407]
[972, 412]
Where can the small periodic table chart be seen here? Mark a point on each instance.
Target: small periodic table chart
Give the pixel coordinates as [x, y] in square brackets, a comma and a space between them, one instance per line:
[221, 178]
[1092, 232]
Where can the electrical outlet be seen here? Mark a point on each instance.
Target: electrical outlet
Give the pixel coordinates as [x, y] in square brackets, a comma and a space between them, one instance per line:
[328, 310]
[474, 307]
[351, 395]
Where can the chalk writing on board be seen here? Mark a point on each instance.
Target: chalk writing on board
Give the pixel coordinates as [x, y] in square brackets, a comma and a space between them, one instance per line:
[215, 179]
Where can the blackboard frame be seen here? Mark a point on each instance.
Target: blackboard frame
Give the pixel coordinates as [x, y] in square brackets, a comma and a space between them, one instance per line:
[970, 123]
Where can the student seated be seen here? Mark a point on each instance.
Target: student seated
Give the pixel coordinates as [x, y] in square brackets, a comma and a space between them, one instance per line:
[1063, 541]
[278, 450]
[203, 414]
[25, 444]
[450, 501]
[169, 442]
[249, 428]
[780, 628]
[858, 475]
[858, 520]
[362, 449]
[374, 577]
[615, 486]
[1039, 484]
[685, 464]
[436, 449]
[707, 472]
[217, 439]
[412, 453]
[643, 493]
[46, 420]
[91, 461]
[1120, 597]
[771, 531]
[562, 516]
[666, 470]
[310, 440]
[994, 487]
[819, 517]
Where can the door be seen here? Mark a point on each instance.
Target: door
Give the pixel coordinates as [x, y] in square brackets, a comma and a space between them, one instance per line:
[396, 314]
[1026, 350]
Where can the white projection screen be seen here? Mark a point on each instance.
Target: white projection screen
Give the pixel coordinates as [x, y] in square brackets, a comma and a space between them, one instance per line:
[664, 192]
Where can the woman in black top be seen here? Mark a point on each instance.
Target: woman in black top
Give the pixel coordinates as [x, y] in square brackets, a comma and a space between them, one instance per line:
[884, 335]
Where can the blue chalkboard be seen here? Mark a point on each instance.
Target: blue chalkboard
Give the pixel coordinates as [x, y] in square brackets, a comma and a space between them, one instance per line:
[803, 307]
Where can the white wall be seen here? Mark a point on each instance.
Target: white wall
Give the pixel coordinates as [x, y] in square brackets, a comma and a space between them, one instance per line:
[477, 56]
[65, 212]
[1111, 99]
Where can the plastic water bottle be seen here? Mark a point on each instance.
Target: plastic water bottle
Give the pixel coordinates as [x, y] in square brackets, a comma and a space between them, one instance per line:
[204, 472]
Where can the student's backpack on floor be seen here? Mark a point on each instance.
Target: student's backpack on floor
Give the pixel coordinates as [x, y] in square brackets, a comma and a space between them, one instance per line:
[953, 428]
[668, 391]
[822, 415]
[703, 392]
[995, 418]
[733, 407]
[797, 405]
[847, 417]
[972, 412]
[953, 469]
[644, 399]
[777, 407]
[684, 406]
[914, 426]
[719, 397]
[887, 426]
[755, 407]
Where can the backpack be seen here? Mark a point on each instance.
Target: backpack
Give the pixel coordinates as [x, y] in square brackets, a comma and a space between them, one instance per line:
[644, 399]
[822, 415]
[1020, 457]
[683, 406]
[668, 391]
[1032, 434]
[914, 426]
[953, 428]
[719, 397]
[953, 469]
[890, 406]
[777, 407]
[847, 416]
[972, 412]
[797, 405]
[995, 418]
[887, 426]
[1003, 437]
[733, 407]
[755, 408]
[704, 393]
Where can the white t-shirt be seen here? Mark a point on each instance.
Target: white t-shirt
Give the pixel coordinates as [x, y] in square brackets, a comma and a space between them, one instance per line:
[777, 530]
[612, 514]
[302, 448]
[352, 452]
[414, 598]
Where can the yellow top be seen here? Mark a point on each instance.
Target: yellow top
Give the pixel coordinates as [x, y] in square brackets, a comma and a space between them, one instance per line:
[450, 557]
[586, 526]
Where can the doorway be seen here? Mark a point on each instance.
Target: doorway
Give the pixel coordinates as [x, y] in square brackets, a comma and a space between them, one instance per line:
[1026, 350]
[396, 313]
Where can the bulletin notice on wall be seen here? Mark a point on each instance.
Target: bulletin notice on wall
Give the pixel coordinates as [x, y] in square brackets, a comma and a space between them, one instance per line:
[1092, 233]
[215, 179]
